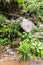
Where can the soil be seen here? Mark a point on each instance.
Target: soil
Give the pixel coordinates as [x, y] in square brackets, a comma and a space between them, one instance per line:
[16, 62]
[10, 58]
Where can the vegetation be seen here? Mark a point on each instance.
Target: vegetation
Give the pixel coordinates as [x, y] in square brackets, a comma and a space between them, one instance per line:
[35, 47]
[10, 31]
[35, 7]
[4, 41]
[2, 18]
[24, 50]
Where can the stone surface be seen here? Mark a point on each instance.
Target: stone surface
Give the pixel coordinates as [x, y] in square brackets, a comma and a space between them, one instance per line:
[41, 26]
[7, 21]
[40, 35]
[27, 25]
[10, 52]
[36, 62]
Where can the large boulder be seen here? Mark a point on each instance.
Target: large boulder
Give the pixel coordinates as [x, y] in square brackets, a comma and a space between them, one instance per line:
[27, 25]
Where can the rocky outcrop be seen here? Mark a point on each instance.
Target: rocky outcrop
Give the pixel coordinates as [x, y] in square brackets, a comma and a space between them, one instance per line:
[27, 25]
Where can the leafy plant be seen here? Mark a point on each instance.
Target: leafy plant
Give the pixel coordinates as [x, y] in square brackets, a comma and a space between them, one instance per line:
[10, 31]
[37, 46]
[4, 41]
[24, 50]
[2, 18]
[4, 30]
[35, 7]
[27, 36]
[20, 1]
[15, 27]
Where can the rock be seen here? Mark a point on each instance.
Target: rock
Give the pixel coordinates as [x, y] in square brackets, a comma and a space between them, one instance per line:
[1, 60]
[40, 35]
[36, 62]
[12, 58]
[10, 52]
[5, 55]
[41, 26]
[7, 21]
[27, 25]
